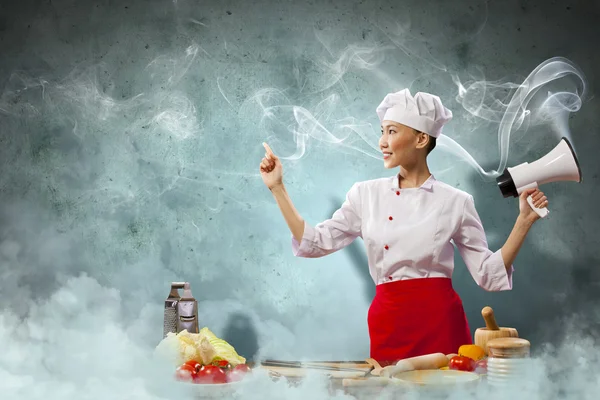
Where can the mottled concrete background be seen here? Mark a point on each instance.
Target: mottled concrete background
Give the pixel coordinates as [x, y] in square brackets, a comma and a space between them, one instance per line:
[130, 138]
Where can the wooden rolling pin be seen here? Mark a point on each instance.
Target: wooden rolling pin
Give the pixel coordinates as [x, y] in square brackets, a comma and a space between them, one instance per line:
[491, 330]
[428, 361]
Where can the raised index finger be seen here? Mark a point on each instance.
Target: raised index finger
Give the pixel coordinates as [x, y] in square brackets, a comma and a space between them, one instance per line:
[268, 149]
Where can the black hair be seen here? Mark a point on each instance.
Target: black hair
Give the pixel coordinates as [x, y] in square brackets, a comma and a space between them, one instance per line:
[431, 144]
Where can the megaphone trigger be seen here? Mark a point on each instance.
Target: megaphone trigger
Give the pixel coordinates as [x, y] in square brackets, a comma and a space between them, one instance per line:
[542, 212]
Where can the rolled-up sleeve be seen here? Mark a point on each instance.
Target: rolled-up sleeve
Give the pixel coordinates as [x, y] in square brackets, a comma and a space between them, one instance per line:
[486, 267]
[335, 233]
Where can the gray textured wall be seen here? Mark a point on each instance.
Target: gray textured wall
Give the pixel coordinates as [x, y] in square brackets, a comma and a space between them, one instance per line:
[130, 140]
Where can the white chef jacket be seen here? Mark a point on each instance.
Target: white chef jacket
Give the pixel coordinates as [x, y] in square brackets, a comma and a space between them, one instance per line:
[409, 233]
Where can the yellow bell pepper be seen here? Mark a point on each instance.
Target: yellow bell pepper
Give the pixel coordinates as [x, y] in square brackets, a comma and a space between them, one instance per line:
[472, 351]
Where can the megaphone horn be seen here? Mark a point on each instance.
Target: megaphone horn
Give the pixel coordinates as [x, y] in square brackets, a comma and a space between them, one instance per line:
[560, 164]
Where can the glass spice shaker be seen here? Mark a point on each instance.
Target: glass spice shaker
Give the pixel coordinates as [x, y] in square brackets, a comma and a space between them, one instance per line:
[508, 360]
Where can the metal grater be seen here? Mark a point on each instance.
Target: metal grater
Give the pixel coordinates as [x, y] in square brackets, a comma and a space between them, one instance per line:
[170, 324]
[181, 312]
[187, 311]
[170, 313]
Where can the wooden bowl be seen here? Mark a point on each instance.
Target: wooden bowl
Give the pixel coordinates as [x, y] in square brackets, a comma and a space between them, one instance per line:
[491, 331]
[484, 335]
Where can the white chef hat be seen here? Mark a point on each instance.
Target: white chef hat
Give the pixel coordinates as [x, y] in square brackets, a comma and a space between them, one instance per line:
[424, 112]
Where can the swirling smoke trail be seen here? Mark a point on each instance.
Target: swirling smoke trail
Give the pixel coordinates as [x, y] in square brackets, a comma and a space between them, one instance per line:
[323, 120]
[554, 109]
[279, 114]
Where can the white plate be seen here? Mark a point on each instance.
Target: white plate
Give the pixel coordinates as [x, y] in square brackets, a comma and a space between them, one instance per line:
[436, 378]
[212, 390]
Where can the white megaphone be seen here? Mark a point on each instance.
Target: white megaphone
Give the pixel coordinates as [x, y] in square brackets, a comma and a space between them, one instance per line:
[558, 165]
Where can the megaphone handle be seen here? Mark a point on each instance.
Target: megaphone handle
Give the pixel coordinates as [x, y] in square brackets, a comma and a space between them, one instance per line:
[542, 212]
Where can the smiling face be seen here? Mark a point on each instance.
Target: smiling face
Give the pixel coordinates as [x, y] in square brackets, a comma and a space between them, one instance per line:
[402, 145]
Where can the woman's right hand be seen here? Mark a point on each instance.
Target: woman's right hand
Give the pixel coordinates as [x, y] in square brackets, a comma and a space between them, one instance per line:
[271, 169]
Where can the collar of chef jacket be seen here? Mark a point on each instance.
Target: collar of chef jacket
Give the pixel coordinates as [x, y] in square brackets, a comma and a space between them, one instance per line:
[427, 185]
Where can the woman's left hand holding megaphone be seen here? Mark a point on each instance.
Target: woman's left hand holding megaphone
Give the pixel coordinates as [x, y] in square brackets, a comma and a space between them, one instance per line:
[538, 200]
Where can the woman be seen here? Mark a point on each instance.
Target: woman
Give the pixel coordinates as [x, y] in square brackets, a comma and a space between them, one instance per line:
[409, 224]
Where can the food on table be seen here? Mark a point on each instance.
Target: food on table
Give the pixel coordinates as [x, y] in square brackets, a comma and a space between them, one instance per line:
[215, 349]
[481, 366]
[221, 363]
[210, 374]
[178, 348]
[238, 373]
[204, 347]
[195, 372]
[194, 364]
[185, 372]
[470, 358]
[427, 361]
[472, 351]
[203, 358]
[462, 363]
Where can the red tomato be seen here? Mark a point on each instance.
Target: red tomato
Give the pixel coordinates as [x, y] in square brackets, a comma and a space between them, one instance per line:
[242, 367]
[461, 363]
[210, 374]
[194, 364]
[238, 373]
[221, 363]
[481, 366]
[185, 372]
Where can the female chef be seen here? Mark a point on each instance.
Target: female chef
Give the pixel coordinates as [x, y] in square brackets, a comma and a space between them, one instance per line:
[409, 223]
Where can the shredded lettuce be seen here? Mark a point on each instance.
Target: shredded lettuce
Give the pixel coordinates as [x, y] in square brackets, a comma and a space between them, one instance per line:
[216, 349]
[204, 347]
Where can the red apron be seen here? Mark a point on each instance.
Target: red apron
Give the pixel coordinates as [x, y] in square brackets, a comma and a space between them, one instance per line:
[414, 317]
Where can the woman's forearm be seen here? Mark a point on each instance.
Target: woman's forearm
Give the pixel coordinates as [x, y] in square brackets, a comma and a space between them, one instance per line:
[515, 241]
[290, 214]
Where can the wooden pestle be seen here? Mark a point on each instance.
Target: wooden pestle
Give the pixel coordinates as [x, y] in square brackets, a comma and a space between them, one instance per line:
[490, 321]
[491, 330]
